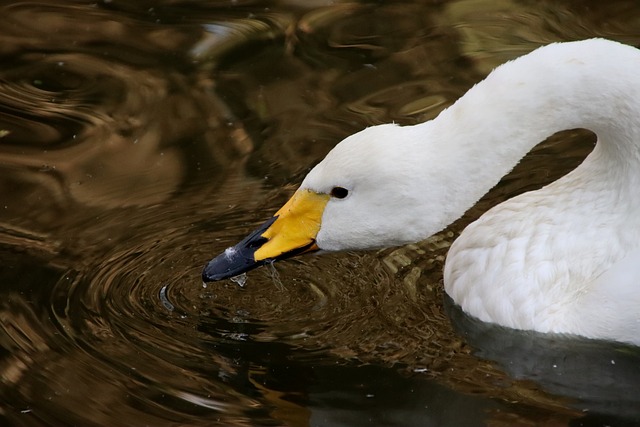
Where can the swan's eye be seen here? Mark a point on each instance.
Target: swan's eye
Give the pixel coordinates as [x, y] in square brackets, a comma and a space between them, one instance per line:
[339, 192]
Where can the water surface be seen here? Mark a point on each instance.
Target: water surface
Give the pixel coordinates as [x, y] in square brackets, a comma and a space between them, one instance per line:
[139, 139]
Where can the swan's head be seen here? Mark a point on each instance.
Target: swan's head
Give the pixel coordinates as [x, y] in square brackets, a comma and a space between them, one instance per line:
[367, 193]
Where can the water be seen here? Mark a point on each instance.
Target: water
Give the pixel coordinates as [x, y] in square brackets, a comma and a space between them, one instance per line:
[139, 139]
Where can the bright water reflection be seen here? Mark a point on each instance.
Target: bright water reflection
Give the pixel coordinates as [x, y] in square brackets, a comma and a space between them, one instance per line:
[137, 139]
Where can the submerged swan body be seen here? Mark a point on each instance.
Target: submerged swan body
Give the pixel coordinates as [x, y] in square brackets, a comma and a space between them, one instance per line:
[564, 259]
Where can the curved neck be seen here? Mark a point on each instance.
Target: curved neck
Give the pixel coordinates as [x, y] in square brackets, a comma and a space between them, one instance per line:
[557, 87]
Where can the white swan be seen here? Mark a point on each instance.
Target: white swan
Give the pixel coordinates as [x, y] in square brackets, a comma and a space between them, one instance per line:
[563, 259]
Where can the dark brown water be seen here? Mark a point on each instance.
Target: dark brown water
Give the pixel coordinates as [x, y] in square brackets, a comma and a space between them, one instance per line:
[139, 139]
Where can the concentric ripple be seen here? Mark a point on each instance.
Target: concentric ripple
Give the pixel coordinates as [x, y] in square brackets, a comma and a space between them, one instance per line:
[137, 318]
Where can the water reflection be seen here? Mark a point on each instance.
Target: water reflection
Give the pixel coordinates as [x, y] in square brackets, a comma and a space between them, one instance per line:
[138, 139]
[599, 377]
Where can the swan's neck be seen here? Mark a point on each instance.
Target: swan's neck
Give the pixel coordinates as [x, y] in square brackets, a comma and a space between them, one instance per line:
[523, 102]
[538, 261]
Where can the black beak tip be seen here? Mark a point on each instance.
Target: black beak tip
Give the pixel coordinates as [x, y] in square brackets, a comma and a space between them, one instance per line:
[230, 263]
[211, 273]
[237, 259]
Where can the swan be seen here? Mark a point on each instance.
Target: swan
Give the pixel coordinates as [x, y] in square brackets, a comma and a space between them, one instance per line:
[562, 259]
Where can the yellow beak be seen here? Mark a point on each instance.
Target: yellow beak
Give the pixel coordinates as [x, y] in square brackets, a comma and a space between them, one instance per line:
[296, 226]
[291, 231]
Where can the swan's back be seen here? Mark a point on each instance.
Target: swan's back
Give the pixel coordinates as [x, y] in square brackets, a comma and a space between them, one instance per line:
[565, 258]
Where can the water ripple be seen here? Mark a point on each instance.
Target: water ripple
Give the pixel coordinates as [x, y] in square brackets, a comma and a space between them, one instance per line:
[138, 140]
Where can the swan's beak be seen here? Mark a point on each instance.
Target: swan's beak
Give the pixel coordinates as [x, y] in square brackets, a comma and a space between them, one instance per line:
[291, 231]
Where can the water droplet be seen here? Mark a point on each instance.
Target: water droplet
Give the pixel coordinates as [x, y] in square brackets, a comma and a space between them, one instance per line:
[240, 280]
[229, 252]
[275, 276]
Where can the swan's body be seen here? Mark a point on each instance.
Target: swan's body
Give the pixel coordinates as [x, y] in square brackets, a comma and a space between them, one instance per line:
[565, 258]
